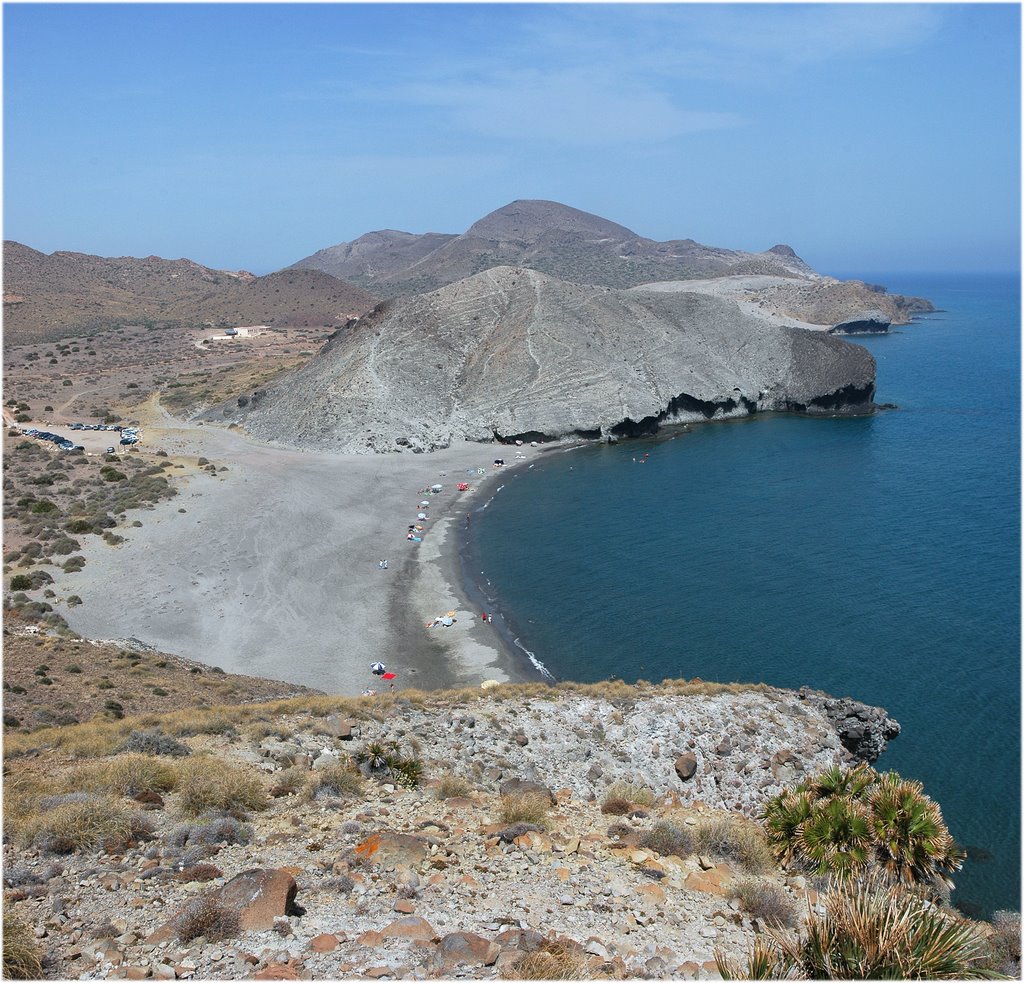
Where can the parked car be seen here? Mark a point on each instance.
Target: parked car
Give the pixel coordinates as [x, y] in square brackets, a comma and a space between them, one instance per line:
[110, 450]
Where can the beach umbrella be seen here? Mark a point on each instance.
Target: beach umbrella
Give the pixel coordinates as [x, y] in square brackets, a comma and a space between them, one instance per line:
[422, 515]
[389, 675]
[377, 668]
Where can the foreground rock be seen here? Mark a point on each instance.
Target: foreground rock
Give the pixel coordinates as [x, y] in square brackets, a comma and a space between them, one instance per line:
[404, 883]
[514, 354]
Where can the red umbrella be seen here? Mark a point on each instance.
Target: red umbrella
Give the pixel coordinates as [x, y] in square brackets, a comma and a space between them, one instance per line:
[389, 675]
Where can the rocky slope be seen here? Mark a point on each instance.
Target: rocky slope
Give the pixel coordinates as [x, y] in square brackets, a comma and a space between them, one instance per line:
[379, 880]
[64, 294]
[512, 353]
[541, 235]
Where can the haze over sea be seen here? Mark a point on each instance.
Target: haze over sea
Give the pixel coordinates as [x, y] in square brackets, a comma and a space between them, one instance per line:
[876, 558]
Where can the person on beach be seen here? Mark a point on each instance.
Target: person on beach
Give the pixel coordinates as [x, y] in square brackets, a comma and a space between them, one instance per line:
[383, 564]
[483, 615]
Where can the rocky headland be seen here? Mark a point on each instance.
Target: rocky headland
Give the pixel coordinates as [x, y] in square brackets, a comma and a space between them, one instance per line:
[299, 872]
[515, 354]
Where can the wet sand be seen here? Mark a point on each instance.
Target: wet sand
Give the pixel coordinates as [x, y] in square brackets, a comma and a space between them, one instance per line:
[273, 568]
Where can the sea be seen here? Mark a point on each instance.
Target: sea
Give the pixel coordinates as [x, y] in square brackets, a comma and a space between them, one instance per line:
[874, 557]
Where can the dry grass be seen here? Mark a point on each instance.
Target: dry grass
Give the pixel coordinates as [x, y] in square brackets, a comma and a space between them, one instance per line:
[22, 957]
[668, 840]
[340, 781]
[637, 795]
[735, 839]
[766, 901]
[126, 774]
[206, 783]
[204, 916]
[452, 787]
[551, 961]
[83, 821]
[525, 807]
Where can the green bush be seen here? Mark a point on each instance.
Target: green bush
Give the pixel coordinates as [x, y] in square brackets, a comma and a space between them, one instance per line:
[21, 582]
[849, 822]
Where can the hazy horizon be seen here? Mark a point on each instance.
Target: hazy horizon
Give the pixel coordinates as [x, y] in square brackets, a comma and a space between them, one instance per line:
[875, 137]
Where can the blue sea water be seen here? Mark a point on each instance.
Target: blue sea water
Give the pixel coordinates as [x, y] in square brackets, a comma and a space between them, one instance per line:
[875, 557]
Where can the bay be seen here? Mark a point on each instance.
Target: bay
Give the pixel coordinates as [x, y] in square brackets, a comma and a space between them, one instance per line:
[875, 557]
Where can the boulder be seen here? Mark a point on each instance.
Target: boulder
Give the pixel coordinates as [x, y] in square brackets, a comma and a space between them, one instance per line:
[259, 896]
[463, 949]
[519, 786]
[686, 766]
[411, 927]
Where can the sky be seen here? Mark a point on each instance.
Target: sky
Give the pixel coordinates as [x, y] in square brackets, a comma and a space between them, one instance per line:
[247, 136]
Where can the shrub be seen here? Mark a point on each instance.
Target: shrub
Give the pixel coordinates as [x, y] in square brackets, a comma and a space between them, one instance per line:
[525, 807]
[205, 916]
[206, 783]
[73, 602]
[552, 960]
[452, 787]
[200, 872]
[1003, 944]
[209, 829]
[637, 795]
[736, 839]
[22, 957]
[615, 806]
[288, 782]
[336, 781]
[82, 821]
[21, 581]
[128, 774]
[766, 901]
[78, 526]
[109, 473]
[668, 840]
[869, 931]
[848, 822]
[42, 507]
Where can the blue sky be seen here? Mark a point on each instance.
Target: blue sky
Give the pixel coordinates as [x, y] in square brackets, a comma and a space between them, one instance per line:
[868, 137]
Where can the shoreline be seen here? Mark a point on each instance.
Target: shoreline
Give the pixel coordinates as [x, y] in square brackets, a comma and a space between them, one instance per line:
[273, 569]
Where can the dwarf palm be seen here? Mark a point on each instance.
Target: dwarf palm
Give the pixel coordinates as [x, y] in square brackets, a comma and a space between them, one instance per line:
[836, 838]
[869, 931]
[783, 817]
[912, 842]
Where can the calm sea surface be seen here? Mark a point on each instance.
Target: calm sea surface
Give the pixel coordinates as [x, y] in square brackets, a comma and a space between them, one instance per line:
[876, 558]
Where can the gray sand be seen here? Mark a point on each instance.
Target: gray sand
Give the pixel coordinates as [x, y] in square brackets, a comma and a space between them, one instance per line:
[273, 568]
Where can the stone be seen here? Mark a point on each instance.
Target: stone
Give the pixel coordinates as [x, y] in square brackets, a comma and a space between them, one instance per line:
[517, 786]
[161, 971]
[411, 927]
[596, 948]
[323, 943]
[150, 799]
[280, 971]
[464, 949]
[715, 881]
[259, 896]
[404, 906]
[686, 766]
[400, 848]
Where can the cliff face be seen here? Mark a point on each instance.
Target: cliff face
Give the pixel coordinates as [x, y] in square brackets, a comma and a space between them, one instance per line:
[512, 353]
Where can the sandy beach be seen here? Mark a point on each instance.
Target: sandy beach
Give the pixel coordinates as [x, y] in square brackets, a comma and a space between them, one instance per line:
[273, 566]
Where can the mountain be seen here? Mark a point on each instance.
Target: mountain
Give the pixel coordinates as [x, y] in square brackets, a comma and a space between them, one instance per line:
[47, 297]
[512, 353]
[542, 235]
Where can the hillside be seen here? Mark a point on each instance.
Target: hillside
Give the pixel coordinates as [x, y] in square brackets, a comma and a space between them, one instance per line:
[47, 297]
[606, 825]
[547, 236]
[513, 353]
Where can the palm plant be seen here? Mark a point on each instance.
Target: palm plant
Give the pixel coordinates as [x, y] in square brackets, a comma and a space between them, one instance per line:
[912, 842]
[849, 821]
[836, 838]
[869, 931]
[783, 817]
